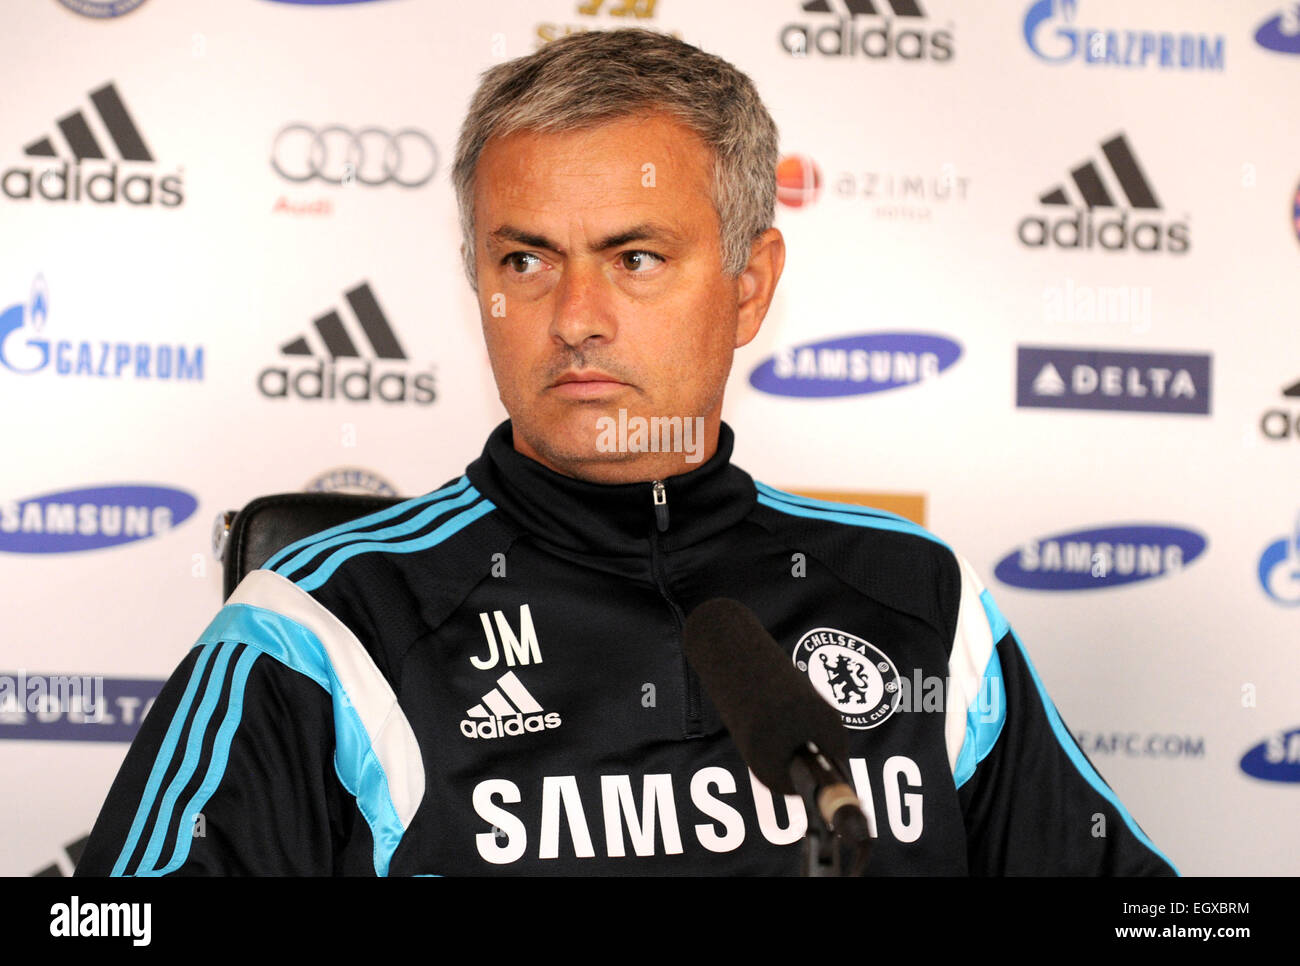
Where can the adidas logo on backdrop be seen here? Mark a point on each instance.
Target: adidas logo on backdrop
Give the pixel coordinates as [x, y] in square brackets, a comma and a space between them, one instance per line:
[1099, 219]
[894, 29]
[339, 378]
[91, 174]
[508, 709]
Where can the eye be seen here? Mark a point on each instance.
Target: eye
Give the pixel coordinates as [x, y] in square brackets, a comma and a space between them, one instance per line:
[639, 262]
[520, 261]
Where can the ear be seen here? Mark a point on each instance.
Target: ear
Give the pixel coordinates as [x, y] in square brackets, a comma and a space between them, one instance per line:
[757, 284]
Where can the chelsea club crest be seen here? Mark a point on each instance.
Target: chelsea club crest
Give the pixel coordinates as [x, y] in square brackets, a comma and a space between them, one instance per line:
[853, 675]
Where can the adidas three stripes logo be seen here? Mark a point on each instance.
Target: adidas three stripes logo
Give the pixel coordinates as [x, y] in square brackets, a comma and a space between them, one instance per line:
[81, 140]
[1093, 190]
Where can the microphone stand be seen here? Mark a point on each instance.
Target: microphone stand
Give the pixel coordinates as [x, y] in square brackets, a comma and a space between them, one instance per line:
[828, 851]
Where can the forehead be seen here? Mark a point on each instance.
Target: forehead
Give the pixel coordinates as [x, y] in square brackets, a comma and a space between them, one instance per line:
[648, 163]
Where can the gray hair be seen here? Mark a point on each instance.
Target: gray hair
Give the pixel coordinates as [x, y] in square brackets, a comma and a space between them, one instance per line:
[590, 78]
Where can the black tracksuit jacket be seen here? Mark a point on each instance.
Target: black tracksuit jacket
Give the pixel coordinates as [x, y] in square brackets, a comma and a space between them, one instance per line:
[489, 679]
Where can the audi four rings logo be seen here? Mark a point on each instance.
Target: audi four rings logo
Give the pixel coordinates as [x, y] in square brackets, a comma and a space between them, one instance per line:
[339, 155]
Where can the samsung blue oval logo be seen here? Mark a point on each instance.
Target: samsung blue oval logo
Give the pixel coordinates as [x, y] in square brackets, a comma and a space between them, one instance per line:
[91, 518]
[1101, 557]
[855, 365]
[1275, 759]
[1277, 34]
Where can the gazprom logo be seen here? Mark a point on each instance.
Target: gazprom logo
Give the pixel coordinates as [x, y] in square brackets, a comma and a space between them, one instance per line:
[1275, 759]
[1100, 557]
[25, 349]
[855, 365]
[91, 518]
[1049, 33]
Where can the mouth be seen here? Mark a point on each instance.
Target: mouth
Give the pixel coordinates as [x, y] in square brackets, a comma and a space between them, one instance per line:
[586, 384]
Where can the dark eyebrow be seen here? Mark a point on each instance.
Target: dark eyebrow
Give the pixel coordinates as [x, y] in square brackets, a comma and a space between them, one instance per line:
[646, 231]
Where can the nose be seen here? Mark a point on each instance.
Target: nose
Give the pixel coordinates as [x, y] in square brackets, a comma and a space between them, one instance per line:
[583, 314]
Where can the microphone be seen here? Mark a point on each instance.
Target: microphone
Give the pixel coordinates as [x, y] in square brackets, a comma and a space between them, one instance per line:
[791, 739]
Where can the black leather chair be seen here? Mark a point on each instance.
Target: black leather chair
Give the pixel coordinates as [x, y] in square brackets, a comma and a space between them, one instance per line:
[243, 540]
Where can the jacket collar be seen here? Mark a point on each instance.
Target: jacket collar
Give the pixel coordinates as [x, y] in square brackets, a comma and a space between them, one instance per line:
[619, 518]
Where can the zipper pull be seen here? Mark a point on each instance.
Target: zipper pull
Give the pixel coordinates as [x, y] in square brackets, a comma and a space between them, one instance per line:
[661, 506]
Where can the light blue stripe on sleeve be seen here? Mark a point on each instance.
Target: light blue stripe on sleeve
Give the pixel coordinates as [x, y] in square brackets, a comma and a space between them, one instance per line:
[193, 747]
[323, 573]
[359, 769]
[852, 519]
[217, 765]
[395, 532]
[379, 517]
[984, 720]
[815, 504]
[162, 761]
[1080, 762]
[997, 623]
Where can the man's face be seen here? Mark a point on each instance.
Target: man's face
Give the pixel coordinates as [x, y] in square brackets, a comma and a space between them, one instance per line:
[601, 288]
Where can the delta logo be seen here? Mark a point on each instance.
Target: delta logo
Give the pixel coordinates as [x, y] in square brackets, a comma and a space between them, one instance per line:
[507, 710]
[1281, 32]
[1275, 759]
[98, 156]
[92, 518]
[1051, 36]
[1100, 557]
[872, 30]
[25, 349]
[1097, 220]
[340, 370]
[59, 707]
[1055, 377]
[856, 365]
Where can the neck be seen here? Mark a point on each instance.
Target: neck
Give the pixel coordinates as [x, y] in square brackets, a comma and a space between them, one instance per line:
[593, 518]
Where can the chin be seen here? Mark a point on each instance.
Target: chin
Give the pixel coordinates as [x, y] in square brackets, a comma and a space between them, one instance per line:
[571, 439]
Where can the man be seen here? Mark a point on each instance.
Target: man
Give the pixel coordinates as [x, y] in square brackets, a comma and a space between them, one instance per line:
[490, 678]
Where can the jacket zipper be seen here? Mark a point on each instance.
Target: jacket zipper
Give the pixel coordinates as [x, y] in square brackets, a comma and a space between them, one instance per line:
[659, 495]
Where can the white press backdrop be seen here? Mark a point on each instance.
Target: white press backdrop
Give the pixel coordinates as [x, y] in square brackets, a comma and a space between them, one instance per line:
[909, 179]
